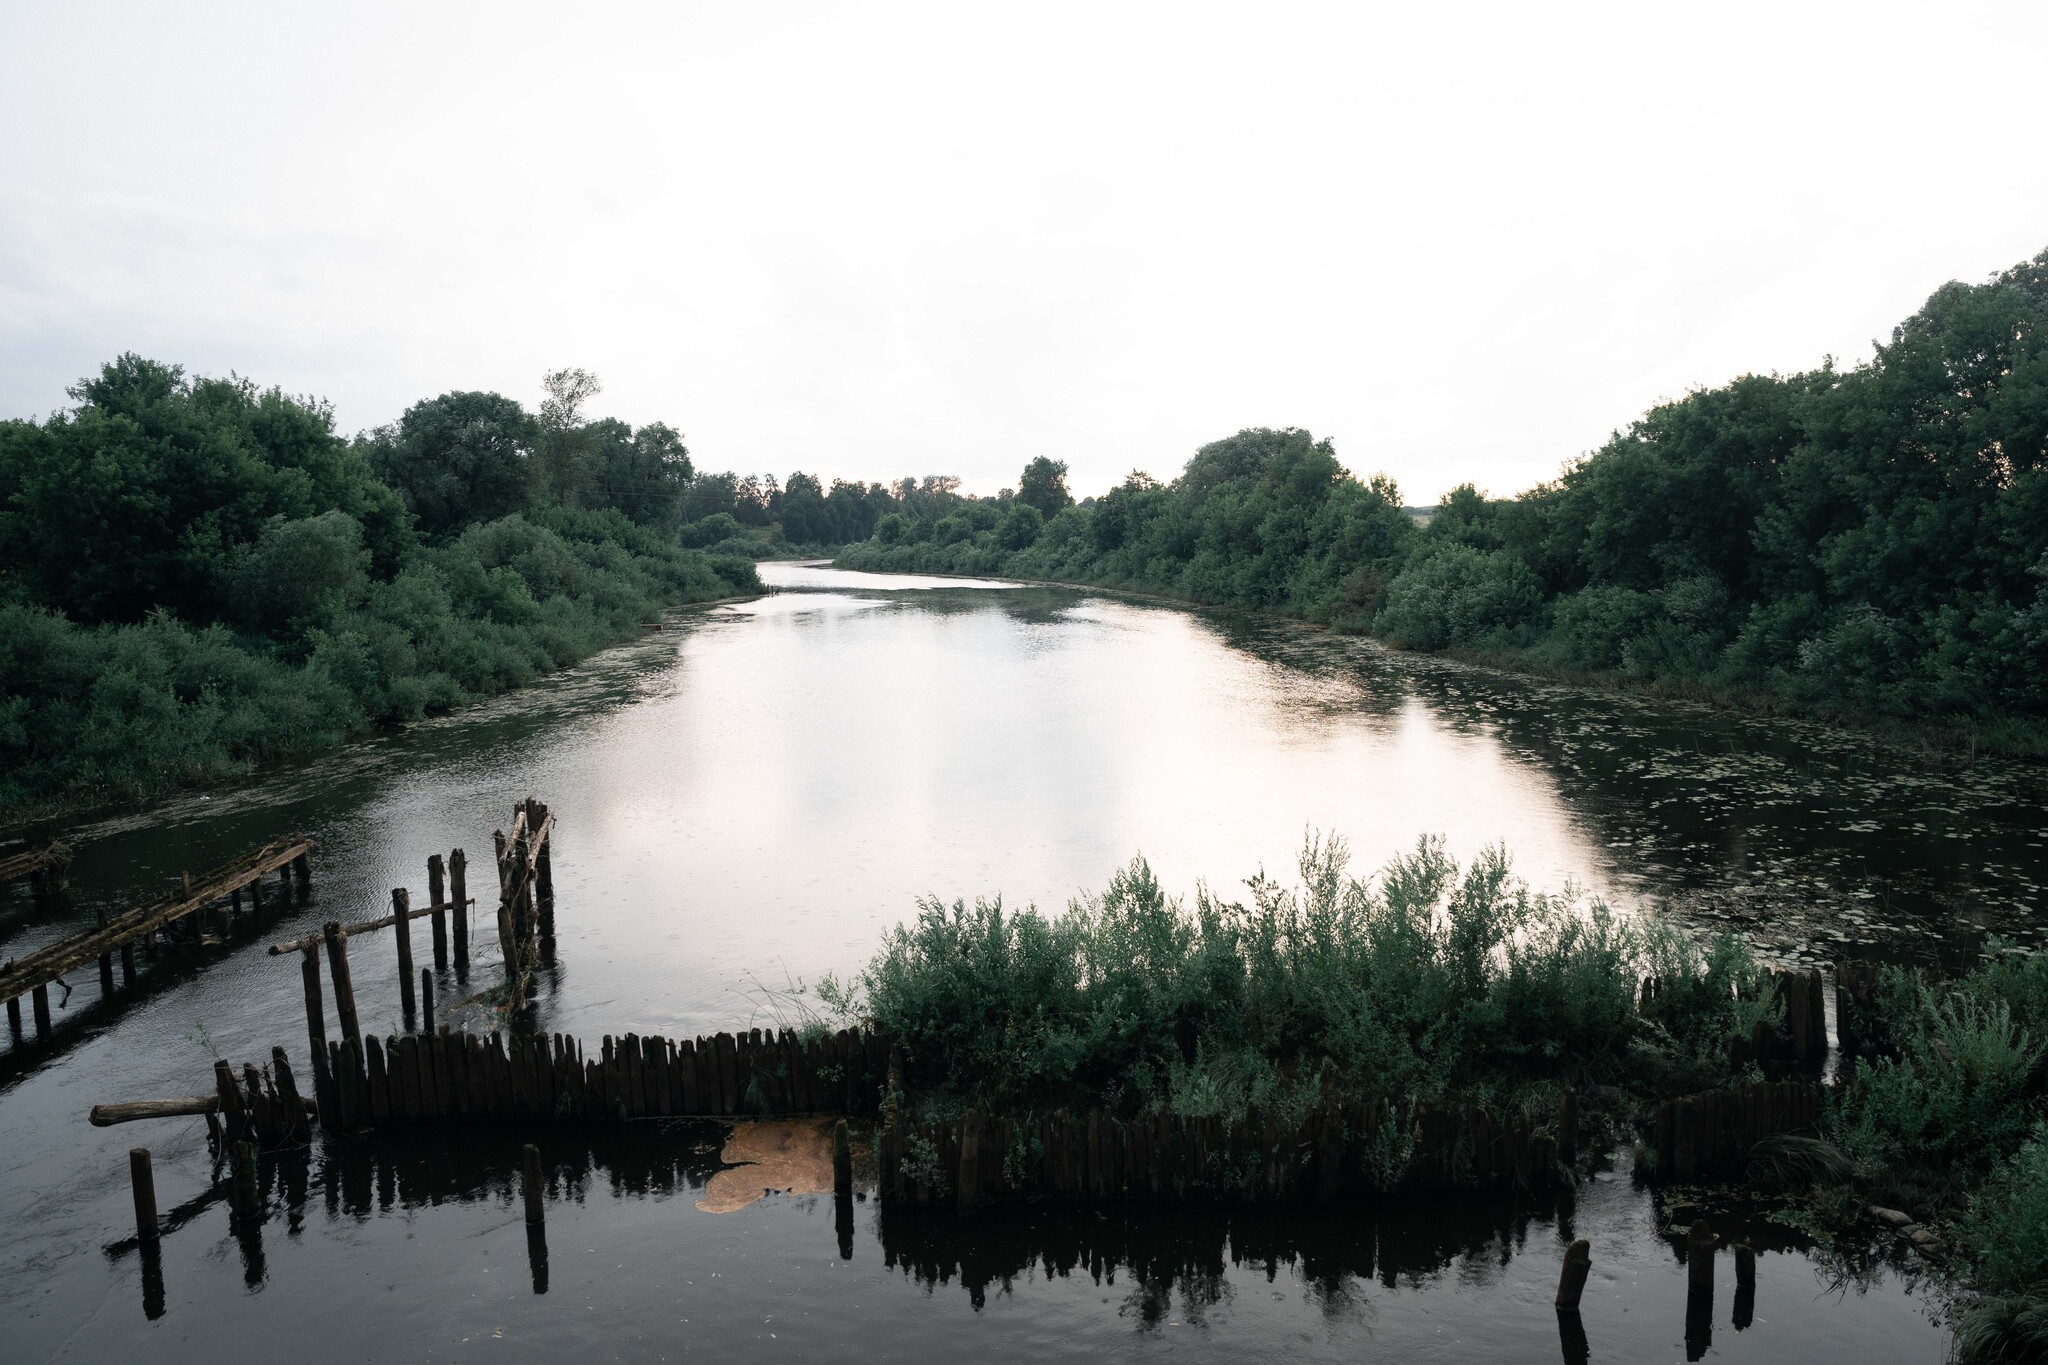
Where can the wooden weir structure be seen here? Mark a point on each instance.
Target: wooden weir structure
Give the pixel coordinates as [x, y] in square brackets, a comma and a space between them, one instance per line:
[179, 916]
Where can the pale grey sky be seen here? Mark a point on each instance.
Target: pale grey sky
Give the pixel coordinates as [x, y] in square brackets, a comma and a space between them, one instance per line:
[1467, 241]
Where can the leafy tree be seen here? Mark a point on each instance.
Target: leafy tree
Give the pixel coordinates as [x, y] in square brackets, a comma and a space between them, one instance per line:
[460, 458]
[1044, 486]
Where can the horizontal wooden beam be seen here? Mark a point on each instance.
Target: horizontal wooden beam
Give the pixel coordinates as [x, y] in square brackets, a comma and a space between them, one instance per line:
[35, 860]
[366, 926]
[185, 1106]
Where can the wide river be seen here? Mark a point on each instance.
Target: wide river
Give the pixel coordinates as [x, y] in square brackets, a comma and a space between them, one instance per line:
[750, 797]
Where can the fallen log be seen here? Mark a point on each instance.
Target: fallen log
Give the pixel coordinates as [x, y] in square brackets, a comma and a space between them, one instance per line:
[187, 1106]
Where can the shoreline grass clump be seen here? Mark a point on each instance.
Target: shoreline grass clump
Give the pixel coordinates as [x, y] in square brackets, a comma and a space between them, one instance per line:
[1425, 981]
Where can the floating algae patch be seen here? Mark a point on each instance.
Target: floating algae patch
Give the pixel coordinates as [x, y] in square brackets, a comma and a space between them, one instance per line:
[770, 1156]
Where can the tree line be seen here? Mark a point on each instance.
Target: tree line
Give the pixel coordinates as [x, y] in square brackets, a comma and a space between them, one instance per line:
[198, 575]
[1867, 542]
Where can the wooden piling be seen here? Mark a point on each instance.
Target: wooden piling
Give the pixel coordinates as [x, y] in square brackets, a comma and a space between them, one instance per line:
[128, 964]
[459, 893]
[39, 999]
[1571, 1282]
[426, 1000]
[530, 1183]
[232, 1112]
[144, 1182]
[1699, 1261]
[437, 903]
[344, 986]
[401, 910]
[316, 1029]
[14, 1018]
[247, 1196]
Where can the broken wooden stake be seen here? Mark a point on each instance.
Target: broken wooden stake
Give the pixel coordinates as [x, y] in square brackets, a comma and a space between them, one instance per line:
[401, 917]
[1571, 1282]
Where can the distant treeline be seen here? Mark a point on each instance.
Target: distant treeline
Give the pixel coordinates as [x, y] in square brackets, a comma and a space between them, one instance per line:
[1869, 543]
[197, 575]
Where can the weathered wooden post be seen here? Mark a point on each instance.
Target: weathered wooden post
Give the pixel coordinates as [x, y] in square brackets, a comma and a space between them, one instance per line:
[39, 1000]
[344, 987]
[1745, 1287]
[459, 893]
[128, 964]
[302, 872]
[427, 1001]
[1699, 1261]
[437, 901]
[316, 1026]
[245, 1188]
[530, 1184]
[144, 1182]
[842, 1159]
[1571, 1281]
[14, 1018]
[401, 910]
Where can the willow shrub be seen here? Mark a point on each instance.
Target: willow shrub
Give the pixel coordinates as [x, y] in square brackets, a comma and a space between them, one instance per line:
[1424, 980]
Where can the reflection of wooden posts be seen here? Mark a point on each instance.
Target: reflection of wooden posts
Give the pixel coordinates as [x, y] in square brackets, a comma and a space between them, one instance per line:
[247, 1201]
[427, 1001]
[1745, 1287]
[344, 988]
[1571, 1282]
[457, 866]
[144, 1182]
[437, 901]
[1699, 1261]
[401, 911]
[842, 1160]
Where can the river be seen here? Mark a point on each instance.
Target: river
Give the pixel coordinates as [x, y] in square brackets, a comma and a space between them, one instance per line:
[750, 796]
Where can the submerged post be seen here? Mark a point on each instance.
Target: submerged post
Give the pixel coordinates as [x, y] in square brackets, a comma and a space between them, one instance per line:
[842, 1159]
[427, 1001]
[344, 988]
[1699, 1261]
[1571, 1283]
[459, 893]
[144, 1181]
[401, 910]
[530, 1184]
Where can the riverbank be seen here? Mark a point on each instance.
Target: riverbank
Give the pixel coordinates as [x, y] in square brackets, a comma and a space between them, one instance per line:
[115, 716]
[2019, 738]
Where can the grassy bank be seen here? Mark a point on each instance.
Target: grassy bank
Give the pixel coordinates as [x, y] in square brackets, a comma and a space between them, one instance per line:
[1433, 983]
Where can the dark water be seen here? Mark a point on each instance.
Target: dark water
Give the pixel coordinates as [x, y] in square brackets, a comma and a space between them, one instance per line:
[749, 797]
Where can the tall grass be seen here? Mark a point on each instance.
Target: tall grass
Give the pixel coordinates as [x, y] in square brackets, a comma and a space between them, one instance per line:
[1424, 980]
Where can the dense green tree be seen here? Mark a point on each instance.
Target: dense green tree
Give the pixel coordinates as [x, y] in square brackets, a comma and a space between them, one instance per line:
[1043, 485]
[460, 458]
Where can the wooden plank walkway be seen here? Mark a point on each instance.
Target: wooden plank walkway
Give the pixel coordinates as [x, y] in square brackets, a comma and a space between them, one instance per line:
[32, 975]
[43, 866]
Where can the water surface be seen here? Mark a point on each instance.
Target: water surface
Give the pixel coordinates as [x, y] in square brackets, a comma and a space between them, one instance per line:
[749, 797]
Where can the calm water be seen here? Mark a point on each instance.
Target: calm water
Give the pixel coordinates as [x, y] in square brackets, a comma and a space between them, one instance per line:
[749, 797]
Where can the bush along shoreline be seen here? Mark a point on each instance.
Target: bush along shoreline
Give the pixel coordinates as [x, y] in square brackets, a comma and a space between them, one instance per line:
[1866, 544]
[198, 577]
[1435, 1029]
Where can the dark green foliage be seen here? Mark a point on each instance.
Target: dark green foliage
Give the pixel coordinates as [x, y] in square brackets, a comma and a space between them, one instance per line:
[458, 459]
[1424, 982]
[199, 576]
[1868, 543]
[1043, 487]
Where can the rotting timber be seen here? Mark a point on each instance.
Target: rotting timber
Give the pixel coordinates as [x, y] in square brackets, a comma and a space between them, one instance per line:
[181, 911]
[44, 867]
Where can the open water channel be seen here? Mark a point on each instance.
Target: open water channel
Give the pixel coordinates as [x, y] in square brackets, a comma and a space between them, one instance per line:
[749, 798]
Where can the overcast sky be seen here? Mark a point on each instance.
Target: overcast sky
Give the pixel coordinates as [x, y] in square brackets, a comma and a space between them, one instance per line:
[866, 240]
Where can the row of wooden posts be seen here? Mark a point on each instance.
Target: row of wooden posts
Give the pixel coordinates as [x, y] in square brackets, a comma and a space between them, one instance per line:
[1714, 1131]
[459, 1075]
[1805, 1037]
[198, 907]
[1333, 1153]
